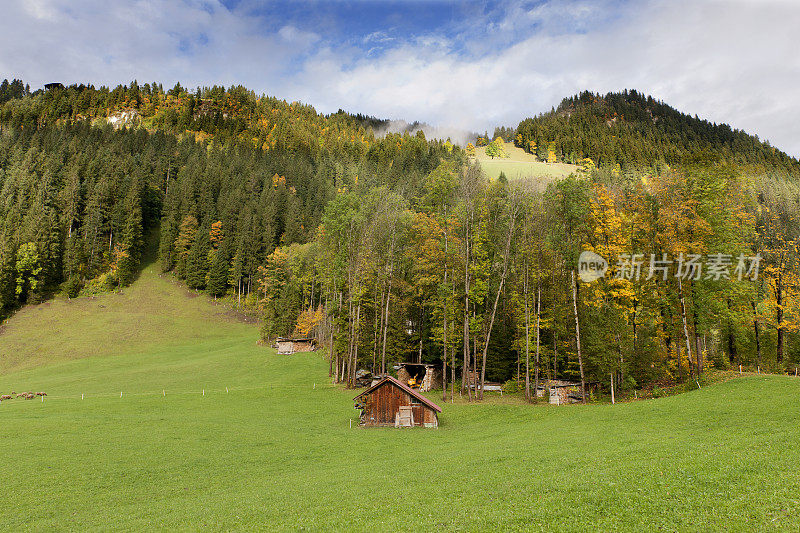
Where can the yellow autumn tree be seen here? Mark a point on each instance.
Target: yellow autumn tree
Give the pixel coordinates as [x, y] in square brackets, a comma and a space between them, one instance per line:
[780, 256]
[496, 149]
[216, 234]
[587, 166]
[308, 320]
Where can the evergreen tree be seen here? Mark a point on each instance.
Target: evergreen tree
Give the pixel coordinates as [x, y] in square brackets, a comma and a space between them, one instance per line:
[218, 274]
[197, 261]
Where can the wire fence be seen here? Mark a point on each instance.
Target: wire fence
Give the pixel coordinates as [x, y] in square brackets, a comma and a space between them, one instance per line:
[201, 392]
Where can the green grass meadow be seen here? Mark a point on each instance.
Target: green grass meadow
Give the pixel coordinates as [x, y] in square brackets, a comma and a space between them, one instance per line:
[276, 451]
[520, 164]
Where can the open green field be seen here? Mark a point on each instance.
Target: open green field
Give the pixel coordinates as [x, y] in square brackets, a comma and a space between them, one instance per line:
[277, 452]
[520, 164]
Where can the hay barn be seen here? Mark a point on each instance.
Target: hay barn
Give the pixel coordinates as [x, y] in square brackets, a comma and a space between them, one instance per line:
[392, 403]
[426, 377]
[286, 345]
[560, 392]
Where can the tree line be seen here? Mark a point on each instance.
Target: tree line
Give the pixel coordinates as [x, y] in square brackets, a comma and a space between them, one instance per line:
[482, 277]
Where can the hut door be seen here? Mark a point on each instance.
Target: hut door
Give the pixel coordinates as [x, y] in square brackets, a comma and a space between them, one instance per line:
[554, 399]
[419, 413]
[405, 417]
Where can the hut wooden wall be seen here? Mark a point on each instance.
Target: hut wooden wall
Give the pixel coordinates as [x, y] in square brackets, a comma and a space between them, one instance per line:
[382, 405]
[285, 347]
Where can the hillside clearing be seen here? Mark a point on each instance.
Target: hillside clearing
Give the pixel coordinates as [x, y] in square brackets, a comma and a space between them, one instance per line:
[277, 451]
[520, 164]
[153, 312]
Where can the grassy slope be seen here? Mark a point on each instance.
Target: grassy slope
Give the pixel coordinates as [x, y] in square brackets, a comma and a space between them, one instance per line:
[276, 452]
[521, 164]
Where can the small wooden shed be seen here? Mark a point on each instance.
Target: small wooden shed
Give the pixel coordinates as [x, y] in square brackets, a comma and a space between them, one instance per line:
[562, 392]
[392, 403]
[287, 345]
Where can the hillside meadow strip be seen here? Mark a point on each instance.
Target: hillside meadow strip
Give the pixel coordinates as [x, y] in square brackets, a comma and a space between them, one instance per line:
[277, 450]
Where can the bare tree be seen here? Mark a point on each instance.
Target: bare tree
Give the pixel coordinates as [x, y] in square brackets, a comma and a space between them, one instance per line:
[512, 206]
[578, 333]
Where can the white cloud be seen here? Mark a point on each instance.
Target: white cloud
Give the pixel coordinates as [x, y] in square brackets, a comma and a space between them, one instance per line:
[733, 62]
[297, 37]
[40, 9]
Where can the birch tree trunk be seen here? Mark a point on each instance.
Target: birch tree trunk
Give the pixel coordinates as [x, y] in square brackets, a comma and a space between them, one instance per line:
[538, 339]
[685, 327]
[350, 334]
[377, 330]
[465, 371]
[444, 328]
[527, 338]
[757, 333]
[354, 365]
[779, 318]
[698, 352]
[453, 354]
[385, 328]
[444, 313]
[578, 334]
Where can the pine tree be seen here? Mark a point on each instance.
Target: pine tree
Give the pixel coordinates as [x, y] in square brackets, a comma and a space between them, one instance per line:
[131, 241]
[8, 298]
[197, 261]
[218, 275]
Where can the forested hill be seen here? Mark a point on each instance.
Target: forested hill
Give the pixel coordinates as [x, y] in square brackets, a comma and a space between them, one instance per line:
[392, 246]
[78, 191]
[636, 131]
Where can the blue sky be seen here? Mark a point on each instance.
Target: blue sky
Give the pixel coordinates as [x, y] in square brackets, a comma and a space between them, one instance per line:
[458, 65]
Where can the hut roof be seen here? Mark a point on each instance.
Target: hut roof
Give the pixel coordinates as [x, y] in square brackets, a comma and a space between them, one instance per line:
[403, 387]
[426, 365]
[558, 383]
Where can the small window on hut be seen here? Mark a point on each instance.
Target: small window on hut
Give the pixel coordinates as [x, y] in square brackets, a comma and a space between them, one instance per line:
[414, 401]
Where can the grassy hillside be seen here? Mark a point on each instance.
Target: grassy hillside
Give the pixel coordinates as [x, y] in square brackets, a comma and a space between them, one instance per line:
[520, 164]
[277, 452]
[155, 312]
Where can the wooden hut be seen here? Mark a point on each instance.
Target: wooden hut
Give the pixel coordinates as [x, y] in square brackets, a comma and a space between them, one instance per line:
[393, 403]
[561, 392]
[287, 345]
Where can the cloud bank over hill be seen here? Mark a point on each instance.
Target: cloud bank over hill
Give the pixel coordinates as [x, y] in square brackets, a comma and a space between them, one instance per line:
[458, 136]
[466, 66]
